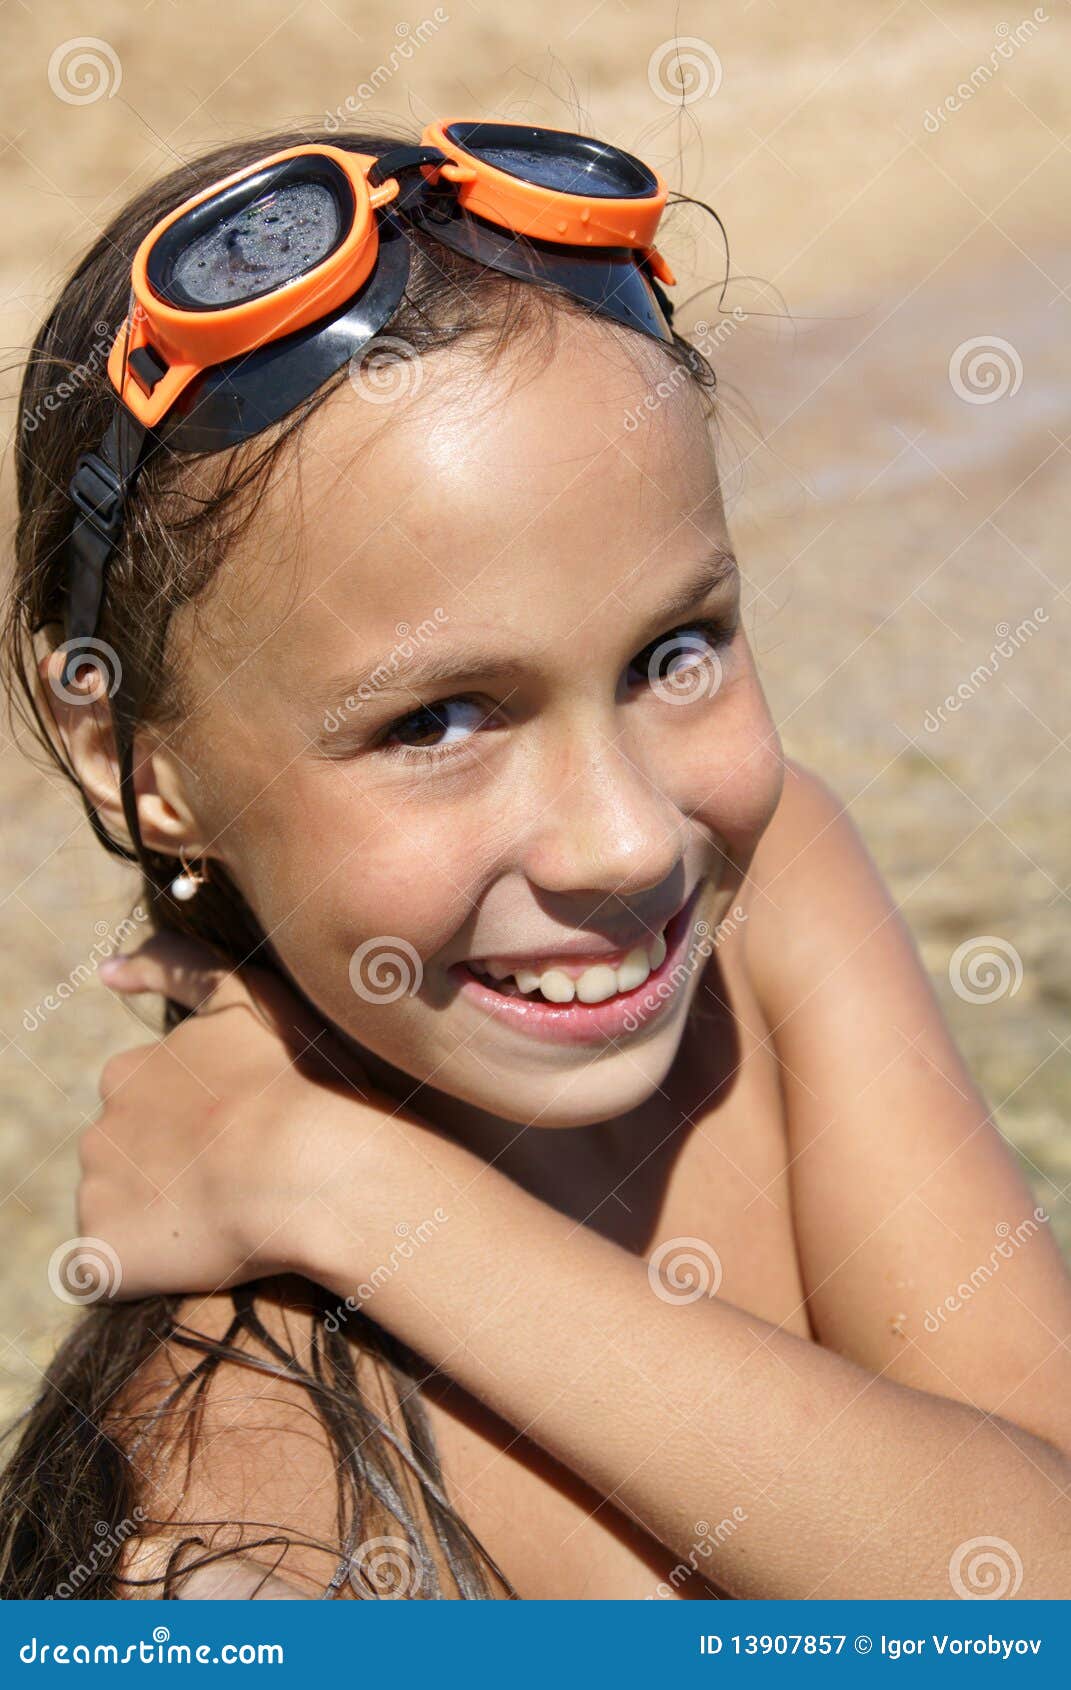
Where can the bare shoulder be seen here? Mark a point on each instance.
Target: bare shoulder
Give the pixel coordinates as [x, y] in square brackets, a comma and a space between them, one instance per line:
[236, 1469]
[904, 1191]
[814, 891]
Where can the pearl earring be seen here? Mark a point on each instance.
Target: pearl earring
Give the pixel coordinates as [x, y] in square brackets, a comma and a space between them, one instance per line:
[184, 886]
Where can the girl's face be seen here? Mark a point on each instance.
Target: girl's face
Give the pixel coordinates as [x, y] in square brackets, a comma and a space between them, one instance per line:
[476, 689]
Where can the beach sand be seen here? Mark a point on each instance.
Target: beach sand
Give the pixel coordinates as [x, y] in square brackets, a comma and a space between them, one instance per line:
[900, 512]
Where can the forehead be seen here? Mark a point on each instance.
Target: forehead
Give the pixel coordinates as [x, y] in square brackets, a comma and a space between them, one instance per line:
[501, 496]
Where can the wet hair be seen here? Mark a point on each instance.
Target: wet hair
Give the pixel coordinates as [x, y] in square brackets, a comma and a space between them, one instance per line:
[78, 1475]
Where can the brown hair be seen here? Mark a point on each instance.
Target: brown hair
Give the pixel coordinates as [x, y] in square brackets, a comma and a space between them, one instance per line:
[72, 1480]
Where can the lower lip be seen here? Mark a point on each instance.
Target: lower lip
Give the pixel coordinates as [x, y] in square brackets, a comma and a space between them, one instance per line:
[592, 1023]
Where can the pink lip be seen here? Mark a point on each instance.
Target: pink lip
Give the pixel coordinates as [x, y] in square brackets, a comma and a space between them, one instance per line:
[583, 1023]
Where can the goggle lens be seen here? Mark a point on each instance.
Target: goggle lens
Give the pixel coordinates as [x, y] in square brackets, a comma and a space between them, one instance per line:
[267, 243]
[550, 158]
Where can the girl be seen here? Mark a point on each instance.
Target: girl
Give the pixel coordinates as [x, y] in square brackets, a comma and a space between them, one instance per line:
[557, 1154]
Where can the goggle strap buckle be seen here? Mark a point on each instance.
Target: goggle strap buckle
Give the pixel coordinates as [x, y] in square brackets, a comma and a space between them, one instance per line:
[98, 489]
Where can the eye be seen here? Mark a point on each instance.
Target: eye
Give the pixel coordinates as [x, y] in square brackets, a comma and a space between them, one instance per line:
[693, 646]
[434, 730]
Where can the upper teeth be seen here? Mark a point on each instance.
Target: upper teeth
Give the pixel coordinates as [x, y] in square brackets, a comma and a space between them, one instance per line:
[594, 984]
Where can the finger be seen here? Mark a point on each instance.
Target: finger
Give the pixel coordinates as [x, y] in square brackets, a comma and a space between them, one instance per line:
[190, 973]
[173, 965]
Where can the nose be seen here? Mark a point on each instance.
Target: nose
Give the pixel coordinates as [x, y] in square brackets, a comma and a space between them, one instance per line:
[604, 822]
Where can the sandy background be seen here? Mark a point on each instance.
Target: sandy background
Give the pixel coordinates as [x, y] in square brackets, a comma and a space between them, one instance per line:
[891, 507]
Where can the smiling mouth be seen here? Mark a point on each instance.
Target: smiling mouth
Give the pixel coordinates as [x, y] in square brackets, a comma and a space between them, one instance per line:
[564, 984]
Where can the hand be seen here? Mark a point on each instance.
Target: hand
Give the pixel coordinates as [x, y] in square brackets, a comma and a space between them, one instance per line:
[202, 1169]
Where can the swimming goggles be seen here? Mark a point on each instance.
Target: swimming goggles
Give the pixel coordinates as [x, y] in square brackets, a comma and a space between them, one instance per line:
[252, 293]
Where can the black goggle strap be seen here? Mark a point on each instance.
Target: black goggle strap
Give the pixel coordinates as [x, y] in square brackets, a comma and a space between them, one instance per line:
[403, 158]
[98, 489]
[409, 158]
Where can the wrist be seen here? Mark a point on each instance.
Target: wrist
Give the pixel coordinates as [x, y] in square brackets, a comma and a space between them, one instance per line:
[356, 1181]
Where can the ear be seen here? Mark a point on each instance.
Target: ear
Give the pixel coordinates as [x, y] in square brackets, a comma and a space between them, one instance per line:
[79, 710]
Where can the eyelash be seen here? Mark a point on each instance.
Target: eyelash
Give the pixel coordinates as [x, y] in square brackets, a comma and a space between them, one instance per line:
[720, 633]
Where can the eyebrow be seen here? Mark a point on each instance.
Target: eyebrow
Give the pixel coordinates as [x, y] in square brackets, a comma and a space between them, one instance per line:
[466, 662]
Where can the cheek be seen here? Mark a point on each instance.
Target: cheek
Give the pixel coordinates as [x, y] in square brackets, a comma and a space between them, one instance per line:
[331, 870]
[737, 772]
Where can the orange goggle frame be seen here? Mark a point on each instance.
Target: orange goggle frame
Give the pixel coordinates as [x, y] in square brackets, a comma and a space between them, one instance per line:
[163, 346]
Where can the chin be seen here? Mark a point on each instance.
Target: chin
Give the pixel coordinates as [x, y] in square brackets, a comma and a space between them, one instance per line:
[601, 1089]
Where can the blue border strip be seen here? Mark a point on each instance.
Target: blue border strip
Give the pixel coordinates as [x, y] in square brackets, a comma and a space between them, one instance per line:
[544, 1644]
